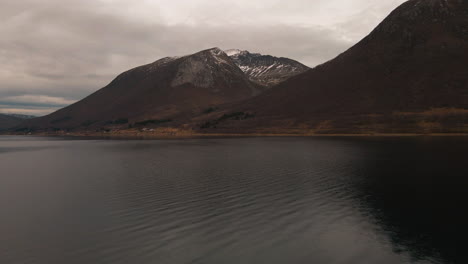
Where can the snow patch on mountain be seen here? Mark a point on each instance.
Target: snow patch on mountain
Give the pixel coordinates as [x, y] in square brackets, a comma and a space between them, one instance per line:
[232, 52]
[264, 69]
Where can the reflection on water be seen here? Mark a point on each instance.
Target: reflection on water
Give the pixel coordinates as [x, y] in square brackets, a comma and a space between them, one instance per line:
[249, 200]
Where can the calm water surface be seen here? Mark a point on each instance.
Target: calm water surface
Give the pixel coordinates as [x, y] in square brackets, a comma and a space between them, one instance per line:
[248, 200]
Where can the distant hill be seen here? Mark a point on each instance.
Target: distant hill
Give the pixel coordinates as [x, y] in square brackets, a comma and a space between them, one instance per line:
[8, 121]
[22, 116]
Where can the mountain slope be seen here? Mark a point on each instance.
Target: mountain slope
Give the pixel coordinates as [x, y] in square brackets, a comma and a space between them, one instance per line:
[265, 69]
[168, 89]
[7, 121]
[409, 75]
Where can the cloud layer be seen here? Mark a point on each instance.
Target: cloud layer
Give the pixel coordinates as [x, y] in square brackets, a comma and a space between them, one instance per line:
[55, 52]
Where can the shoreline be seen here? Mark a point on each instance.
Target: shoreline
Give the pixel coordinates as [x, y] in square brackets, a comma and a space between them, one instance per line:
[226, 135]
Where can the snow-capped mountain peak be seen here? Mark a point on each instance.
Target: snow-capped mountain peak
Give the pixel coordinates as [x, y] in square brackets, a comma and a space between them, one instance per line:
[265, 69]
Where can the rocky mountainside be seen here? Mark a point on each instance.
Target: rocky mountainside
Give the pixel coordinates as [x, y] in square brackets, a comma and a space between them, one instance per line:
[265, 69]
[8, 121]
[409, 75]
[168, 91]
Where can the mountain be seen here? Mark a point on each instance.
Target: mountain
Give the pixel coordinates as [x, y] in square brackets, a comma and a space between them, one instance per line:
[265, 69]
[170, 90]
[408, 76]
[8, 121]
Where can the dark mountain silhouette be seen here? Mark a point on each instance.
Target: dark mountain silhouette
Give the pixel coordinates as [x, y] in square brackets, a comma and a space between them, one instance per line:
[265, 69]
[409, 75]
[8, 121]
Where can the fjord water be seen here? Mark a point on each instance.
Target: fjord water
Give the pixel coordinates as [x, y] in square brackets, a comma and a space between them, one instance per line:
[233, 200]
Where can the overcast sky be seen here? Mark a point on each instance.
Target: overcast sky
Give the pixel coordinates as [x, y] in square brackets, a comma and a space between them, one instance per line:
[55, 52]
